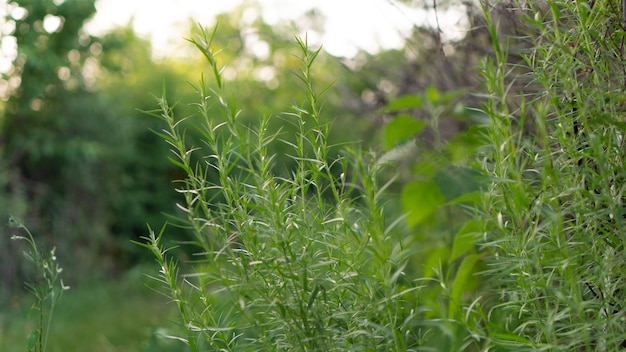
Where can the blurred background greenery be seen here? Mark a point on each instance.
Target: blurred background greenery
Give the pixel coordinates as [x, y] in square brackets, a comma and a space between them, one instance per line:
[81, 166]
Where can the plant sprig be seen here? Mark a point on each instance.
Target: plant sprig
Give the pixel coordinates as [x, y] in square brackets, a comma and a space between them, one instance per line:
[302, 260]
[47, 289]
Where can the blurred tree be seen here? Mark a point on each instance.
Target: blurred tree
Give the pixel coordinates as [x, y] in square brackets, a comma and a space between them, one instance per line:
[80, 161]
[46, 152]
[142, 177]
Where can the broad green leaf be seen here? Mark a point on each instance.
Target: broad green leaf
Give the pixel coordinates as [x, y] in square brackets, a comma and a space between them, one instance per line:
[465, 239]
[461, 282]
[467, 198]
[32, 340]
[400, 129]
[453, 95]
[405, 102]
[427, 168]
[465, 144]
[434, 260]
[455, 182]
[432, 94]
[420, 199]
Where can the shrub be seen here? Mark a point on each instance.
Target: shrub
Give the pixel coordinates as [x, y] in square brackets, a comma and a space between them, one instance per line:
[300, 259]
[554, 212]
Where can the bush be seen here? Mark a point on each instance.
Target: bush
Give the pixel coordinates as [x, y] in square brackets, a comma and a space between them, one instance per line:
[307, 261]
[554, 212]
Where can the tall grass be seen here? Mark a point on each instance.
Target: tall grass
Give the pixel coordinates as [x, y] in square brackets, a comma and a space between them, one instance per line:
[300, 259]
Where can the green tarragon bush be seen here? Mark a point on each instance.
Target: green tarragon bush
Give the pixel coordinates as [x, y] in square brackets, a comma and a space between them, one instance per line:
[301, 259]
[554, 211]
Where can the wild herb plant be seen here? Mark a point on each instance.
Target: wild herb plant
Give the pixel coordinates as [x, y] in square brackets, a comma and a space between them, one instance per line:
[300, 259]
[554, 211]
[47, 289]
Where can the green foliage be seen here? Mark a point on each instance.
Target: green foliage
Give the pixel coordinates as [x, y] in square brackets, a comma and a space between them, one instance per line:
[443, 182]
[50, 136]
[421, 199]
[519, 218]
[139, 180]
[554, 209]
[77, 159]
[78, 162]
[264, 79]
[545, 241]
[305, 261]
[401, 128]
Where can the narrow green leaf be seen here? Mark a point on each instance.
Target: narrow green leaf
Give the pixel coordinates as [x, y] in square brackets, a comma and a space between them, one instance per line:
[465, 239]
[31, 310]
[313, 295]
[556, 11]
[512, 338]
[461, 283]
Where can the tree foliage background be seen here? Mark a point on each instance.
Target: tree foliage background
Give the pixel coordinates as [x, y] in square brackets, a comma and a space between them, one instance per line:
[76, 154]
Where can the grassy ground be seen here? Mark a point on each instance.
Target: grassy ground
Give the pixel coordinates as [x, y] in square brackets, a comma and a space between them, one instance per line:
[120, 315]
